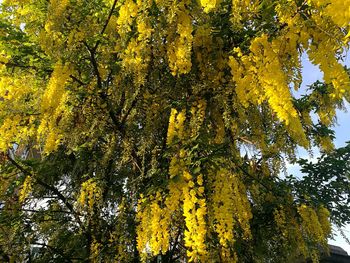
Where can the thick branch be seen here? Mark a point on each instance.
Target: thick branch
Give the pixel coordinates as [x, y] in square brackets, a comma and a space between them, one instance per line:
[48, 187]
[106, 23]
[94, 65]
[14, 65]
[35, 211]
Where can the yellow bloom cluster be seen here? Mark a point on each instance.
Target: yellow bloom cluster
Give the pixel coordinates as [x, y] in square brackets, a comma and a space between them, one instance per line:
[219, 126]
[174, 198]
[4, 58]
[26, 189]
[144, 29]
[260, 76]
[326, 143]
[176, 125]
[156, 214]
[223, 214]
[243, 9]
[197, 116]
[50, 36]
[9, 131]
[177, 164]
[312, 227]
[323, 49]
[95, 251]
[90, 194]
[323, 217]
[179, 50]
[337, 10]
[56, 88]
[171, 127]
[127, 13]
[17, 126]
[142, 229]
[56, 11]
[202, 46]
[53, 107]
[281, 221]
[135, 57]
[132, 57]
[311, 223]
[291, 232]
[209, 5]
[194, 211]
[323, 54]
[159, 223]
[230, 209]
[316, 228]
[153, 228]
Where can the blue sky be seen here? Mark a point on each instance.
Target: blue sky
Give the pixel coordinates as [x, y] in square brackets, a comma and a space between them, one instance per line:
[311, 73]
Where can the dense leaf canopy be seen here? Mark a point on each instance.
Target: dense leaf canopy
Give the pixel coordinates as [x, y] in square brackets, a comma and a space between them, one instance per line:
[145, 130]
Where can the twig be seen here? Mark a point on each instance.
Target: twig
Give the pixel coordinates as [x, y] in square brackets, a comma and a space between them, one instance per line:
[48, 187]
[106, 23]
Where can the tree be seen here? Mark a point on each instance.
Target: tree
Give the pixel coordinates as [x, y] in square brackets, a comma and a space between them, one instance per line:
[326, 182]
[157, 130]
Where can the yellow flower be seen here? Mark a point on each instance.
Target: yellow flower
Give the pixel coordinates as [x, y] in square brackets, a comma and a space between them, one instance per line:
[26, 189]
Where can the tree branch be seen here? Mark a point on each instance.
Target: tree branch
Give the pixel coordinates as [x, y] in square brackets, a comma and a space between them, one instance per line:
[56, 250]
[94, 65]
[35, 211]
[106, 23]
[14, 65]
[48, 187]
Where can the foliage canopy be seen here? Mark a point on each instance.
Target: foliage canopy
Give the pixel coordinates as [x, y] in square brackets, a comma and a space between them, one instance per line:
[156, 129]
